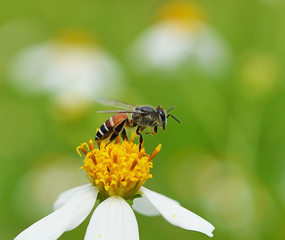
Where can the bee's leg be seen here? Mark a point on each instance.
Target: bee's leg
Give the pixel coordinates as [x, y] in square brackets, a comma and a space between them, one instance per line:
[112, 138]
[129, 123]
[116, 132]
[124, 134]
[154, 130]
[141, 137]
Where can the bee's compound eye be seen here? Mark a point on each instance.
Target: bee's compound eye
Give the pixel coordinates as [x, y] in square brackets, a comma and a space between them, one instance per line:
[162, 115]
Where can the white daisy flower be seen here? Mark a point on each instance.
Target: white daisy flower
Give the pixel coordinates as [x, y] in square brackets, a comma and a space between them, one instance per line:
[72, 68]
[181, 38]
[117, 173]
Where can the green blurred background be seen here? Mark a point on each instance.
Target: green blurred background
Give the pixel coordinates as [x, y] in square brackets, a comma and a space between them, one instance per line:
[225, 161]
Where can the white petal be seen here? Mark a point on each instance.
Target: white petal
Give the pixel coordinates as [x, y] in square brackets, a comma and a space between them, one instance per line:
[64, 197]
[178, 215]
[144, 206]
[113, 219]
[64, 219]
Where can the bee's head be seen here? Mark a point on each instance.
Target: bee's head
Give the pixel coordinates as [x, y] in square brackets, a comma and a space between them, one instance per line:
[162, 117]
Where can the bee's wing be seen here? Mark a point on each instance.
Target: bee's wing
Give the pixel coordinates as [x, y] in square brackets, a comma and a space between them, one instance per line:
[122, 111]
[115, 103]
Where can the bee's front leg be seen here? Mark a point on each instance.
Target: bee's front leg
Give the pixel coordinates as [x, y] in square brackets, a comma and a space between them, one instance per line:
[154, 130]
[141, 137]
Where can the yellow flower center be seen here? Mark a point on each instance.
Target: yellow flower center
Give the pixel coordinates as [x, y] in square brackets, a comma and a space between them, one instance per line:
[181, 10]
[117, 168]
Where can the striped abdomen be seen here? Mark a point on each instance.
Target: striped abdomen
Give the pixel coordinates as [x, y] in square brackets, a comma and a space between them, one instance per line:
[110, 125]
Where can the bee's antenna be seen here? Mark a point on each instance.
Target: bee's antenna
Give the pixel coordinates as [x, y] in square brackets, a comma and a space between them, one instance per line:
[170, 109]
[173, 116]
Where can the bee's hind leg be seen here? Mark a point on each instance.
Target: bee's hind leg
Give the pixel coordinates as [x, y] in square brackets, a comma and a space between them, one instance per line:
[141, 137]
[116, 132]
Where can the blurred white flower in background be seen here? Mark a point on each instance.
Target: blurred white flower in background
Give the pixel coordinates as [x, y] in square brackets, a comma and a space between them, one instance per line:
[72, 68]
[181, 38]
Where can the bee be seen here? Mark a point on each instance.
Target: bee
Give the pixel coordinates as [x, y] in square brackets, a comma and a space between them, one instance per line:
[142, 117]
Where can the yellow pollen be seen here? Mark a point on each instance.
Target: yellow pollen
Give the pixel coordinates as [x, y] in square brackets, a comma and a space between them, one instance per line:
[117, 168]
[132, 137]
[134, 164]
[93, 159]
[91, 144]
[82, 148]
[155, 152]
